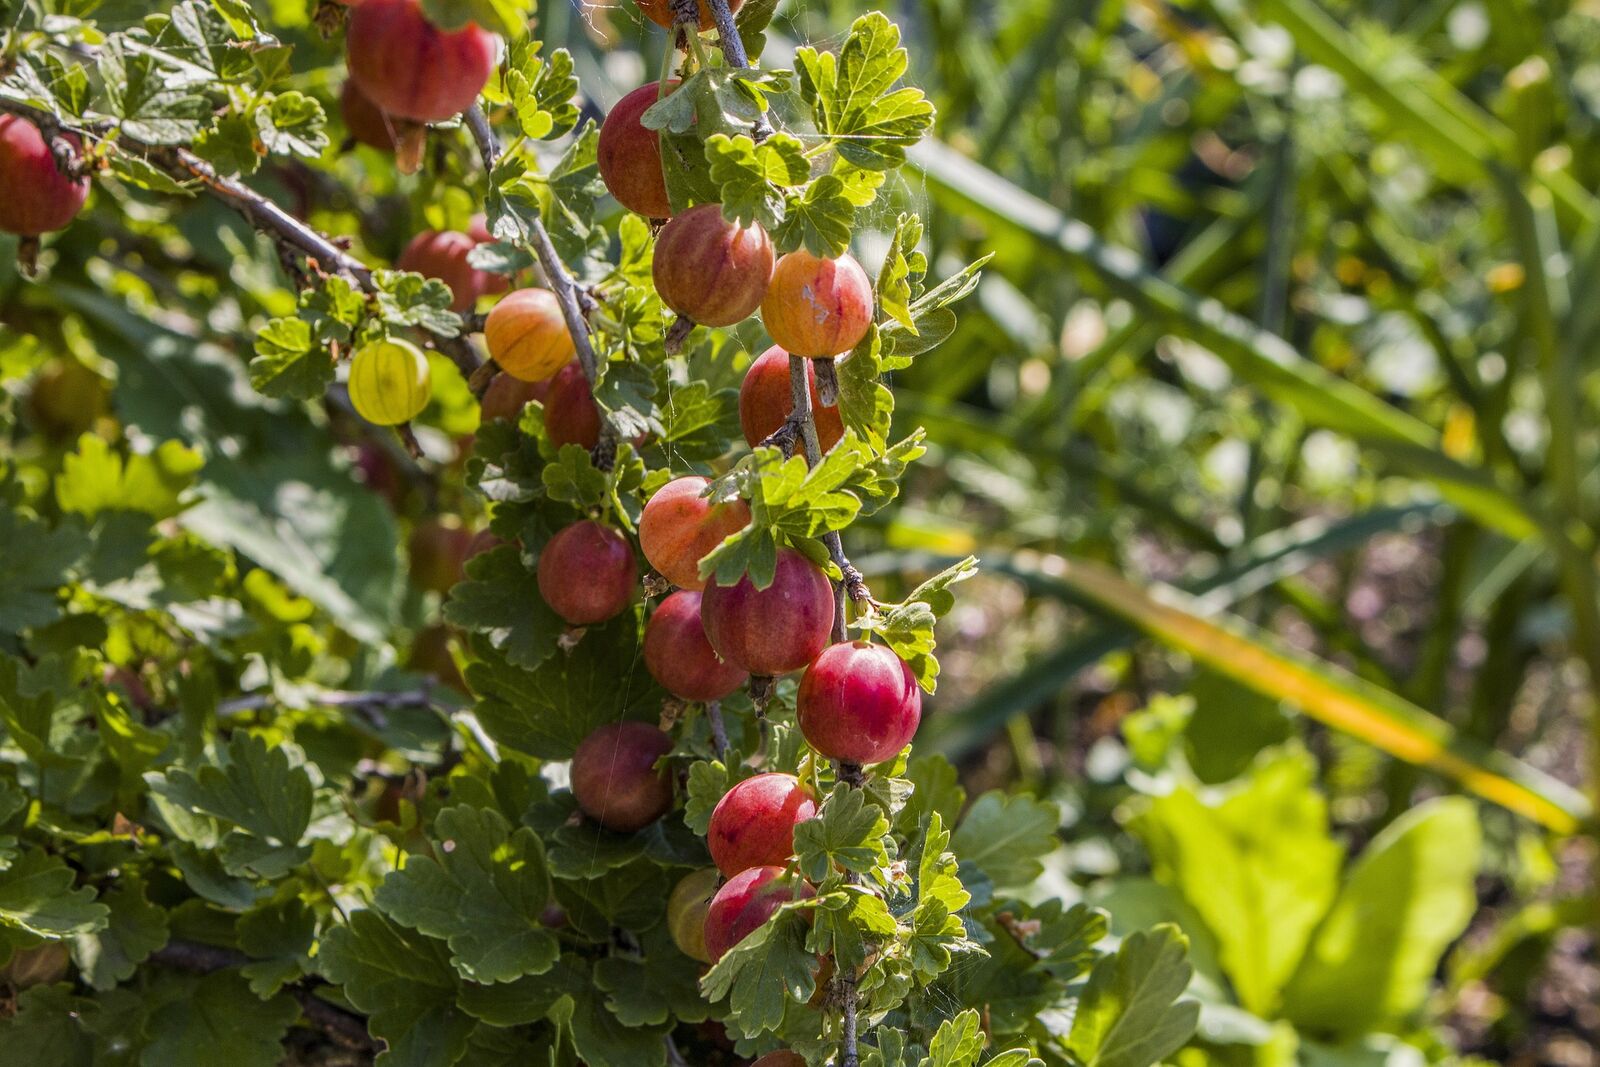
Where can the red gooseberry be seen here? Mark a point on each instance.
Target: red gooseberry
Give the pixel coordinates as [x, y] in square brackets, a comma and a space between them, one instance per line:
[753, 824]
[774, 630]
[614, 776]
[587, 573]
[817, 307]
[766, 399]
[744, 902]
[858, 702]
[712, 271]
[629, 155]
[412, 69]
[38, 197]
[678, 655]
[681, 525]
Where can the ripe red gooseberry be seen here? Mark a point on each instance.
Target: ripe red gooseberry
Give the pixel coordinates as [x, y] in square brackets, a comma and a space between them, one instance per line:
[744, 902]
[528, 336]
[774, 630]
[678, 655]
[858, 702]
[411, 68]
[442, 254]
[571, 416]
[629, 155]
[614, 776]
[753, 824]
[712, 271]
[38, 197]
[817, 307]
[587, 573]
[765, 400]
[680, 526]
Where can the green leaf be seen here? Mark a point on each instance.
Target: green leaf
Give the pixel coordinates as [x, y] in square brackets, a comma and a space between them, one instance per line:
[34, 563]
[280, 935]
[1129, 1014]
[258, 790]
[1005, 837]
[36, 897]
[957, 1043]
[484, 895]
[865, 404]
[1407, 899]
[508, 17]
[1257, 864]
[541, 90]
[157, 99]
[134, 929]
[546, 712]
[758, 974]
[408, 300]
[404, 983]
[908, 627]
[819, 218]
[751, 178]
[217, 1021]
[290, 362]
[501, 600]
[851, 99]
[846, 833]
[292, 124]
[95, 479]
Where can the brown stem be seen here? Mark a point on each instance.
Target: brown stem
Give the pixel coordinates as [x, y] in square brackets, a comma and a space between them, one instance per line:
[199, 958]
[733, 51]
[264, 215]
[555, 273]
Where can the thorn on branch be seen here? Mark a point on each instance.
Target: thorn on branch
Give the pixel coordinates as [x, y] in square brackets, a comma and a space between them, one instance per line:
[785, 437]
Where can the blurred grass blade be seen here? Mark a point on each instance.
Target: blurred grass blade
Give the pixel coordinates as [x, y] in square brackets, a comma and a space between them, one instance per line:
[1263, 360]
[1268, 559]
[1327, 693]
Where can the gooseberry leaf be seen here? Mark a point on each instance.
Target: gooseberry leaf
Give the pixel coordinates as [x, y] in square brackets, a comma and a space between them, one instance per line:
[134, 928]
[541, 90]
[1130, 1014]
[908, 627]
[37, 897]
[95, 479]
[547, 711]
[406, 299]
[216, 1019]
[1006, 836]
[403, 982]
[866, 406]
[288, 362]
[819, 218]
[292, 124]
[846, 833]
[760, 972]
[483, 892]
[500, 599]
[851, 99]
[751, 178]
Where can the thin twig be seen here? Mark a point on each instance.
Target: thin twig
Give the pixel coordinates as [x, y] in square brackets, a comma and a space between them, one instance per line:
[568, 294]
[733, 52]
[196, 957]
[265, 216]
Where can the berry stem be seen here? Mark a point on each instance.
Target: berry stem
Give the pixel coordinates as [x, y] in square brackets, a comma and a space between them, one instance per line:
[561, 283]
[733, 51]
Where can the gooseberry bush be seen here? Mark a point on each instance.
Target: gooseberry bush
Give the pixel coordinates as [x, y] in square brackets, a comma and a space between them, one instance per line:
[639, 784]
